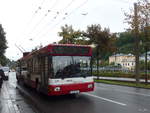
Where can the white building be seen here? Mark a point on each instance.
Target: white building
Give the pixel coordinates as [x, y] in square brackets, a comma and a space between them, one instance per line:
[125, 60]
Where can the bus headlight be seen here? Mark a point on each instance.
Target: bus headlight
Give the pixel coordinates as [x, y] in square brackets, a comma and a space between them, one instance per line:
[90, 85]
[57, 89]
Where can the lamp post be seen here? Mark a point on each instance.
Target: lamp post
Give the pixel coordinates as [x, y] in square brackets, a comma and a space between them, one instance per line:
[146, 30]
[97, 61]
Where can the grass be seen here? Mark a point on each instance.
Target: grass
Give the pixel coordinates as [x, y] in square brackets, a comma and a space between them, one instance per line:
[119, 74]
[130, 84]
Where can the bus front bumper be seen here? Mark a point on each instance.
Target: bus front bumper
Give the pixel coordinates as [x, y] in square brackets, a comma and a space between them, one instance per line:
[70, 88]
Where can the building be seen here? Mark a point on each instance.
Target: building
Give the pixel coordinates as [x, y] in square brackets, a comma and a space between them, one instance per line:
[124, 60]
[127, 60]
[142, 57]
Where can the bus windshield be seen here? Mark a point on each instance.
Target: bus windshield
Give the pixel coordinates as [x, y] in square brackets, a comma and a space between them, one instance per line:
[71, 66]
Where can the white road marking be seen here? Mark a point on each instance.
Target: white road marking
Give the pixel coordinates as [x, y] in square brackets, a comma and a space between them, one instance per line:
[119, 103]
[141, 94]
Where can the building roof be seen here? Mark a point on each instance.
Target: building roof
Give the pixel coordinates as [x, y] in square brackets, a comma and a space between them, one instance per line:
[121, 54]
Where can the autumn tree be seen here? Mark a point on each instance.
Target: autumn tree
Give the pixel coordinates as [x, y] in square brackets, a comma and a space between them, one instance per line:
[145, 15]
[139, 20]
[3, 46]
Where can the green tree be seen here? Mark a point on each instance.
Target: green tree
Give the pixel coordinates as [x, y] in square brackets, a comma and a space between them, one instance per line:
[102, 38]
[139, 20]
[3, 46]
[125, 43]
[70, 36]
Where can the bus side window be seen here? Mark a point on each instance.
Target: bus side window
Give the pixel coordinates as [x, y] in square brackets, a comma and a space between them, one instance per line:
[50, 67]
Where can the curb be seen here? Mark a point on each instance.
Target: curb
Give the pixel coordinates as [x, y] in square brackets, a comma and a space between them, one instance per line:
[35, 104]
[120, 84]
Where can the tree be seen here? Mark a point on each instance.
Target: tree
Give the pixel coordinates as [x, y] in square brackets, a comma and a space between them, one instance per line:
[138, 19]
[102, 38]
[70, 36]
[3, 46]
[125, 43]
[145, 15]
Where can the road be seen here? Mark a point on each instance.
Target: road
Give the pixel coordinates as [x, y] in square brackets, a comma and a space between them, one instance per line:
[105, 99]
[11, 101]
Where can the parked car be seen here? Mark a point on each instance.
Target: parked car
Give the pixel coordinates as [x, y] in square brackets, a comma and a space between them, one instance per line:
[6, 71]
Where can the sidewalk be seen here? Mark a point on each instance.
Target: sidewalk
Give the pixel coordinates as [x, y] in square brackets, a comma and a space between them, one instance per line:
[11, 101]
[120, 79]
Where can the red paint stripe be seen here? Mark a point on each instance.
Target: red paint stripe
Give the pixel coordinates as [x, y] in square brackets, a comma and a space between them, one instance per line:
[65, 89]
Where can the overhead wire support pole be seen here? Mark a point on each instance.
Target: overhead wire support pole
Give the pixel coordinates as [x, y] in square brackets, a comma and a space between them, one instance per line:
[136, 33]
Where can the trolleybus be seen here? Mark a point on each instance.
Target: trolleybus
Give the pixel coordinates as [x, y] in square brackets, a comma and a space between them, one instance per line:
[57, 69]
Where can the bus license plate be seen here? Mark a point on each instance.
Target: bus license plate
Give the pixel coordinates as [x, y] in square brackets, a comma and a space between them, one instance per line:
[76, 91]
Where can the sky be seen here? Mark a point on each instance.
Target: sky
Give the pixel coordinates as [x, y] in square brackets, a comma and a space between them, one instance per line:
[30, 23]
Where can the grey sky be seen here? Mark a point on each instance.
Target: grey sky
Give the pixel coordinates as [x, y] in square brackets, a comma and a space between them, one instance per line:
[22, 24]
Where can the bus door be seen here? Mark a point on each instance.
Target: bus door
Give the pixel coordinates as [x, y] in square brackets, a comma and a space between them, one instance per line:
[44, 71]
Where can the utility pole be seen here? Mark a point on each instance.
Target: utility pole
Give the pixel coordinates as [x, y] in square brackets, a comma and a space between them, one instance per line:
[97, 55]
[136, 32]
[146, 48]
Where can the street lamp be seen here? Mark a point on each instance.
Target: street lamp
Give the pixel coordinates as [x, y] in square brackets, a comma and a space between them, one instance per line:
[97, 54]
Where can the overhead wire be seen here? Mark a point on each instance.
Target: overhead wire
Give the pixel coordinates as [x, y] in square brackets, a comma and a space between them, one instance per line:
[33, 16]
[58, 13]
[65, 17]
[36, 11]
[123, 1]
[39, 8]
[45, 15]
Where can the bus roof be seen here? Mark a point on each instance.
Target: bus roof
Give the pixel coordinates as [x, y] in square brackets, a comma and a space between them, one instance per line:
[48, 49]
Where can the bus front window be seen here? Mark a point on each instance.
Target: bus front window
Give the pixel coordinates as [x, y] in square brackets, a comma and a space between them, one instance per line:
[71, 66]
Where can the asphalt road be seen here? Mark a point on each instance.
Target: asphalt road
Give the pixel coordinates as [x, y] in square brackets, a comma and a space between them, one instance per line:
[11, 101]
[105, 99]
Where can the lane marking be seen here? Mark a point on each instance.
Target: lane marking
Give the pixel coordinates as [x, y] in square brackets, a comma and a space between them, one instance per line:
[119, 103]
[141, 94]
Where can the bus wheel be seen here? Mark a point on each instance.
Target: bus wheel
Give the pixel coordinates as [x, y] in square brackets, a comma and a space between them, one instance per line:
[38, 87]
[18, 80]
[74, 95]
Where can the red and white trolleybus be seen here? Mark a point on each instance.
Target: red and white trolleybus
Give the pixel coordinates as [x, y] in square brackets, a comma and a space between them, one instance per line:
[57, 69]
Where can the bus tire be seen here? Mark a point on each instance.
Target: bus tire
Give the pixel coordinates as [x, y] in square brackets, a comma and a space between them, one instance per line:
[38, 87]
[74, 95]
[18, 80]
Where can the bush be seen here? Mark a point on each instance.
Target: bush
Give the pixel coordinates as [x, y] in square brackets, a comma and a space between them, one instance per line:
[118, 74]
